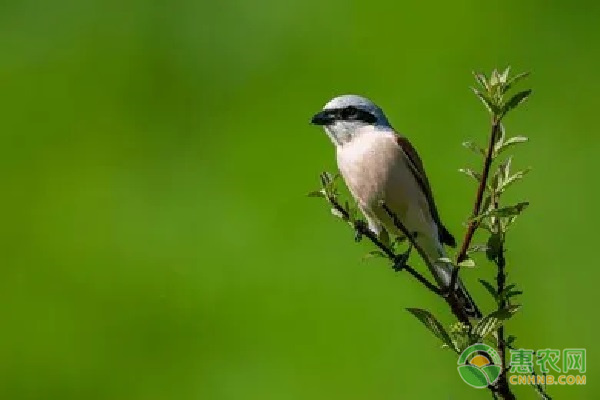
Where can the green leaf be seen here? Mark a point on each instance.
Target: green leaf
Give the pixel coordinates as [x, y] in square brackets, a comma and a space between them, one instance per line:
[328, 183]
[486, 203]
[510, 291]
[488, 226]
[503, 211]
[490, 323]
[500, 147]
[515, 139]
[494, 245]
[506, 168]
[507, 312]
[512, 179]
[490, 288]
[461, 335]
[500, 135]
[471, 173]
[433, 325]
[477, 248]
[504, 75]
[326, 178]
[494, 78]
[506, 222]
[510, 287]
[317, 193]
[467, 263]
[338, 213]
[352, 213]
[513, 293]
[384, 238]
[516, 100]
[474, 147]
[509, 210]
[374, 254]
[481, 79]
[487, 101]
[515, 79]
[510, 340]
[487, 325]
[501, 173]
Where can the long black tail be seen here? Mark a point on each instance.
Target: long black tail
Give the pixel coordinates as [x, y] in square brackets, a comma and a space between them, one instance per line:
[467, 302]
[443, 275]
[442, 271]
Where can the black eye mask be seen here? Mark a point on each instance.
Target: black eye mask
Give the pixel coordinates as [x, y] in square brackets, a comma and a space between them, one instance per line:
[352, 113]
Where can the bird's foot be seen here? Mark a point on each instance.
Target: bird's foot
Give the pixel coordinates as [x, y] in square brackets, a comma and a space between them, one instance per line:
[401, 260]
[359, 228]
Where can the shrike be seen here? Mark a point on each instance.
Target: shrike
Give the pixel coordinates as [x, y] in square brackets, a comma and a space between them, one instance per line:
[380, 165]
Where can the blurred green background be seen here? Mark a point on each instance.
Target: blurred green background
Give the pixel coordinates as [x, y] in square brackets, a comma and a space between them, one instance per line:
[157, 240]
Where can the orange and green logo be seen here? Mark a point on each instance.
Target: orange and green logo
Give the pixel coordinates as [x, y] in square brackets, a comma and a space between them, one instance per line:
[479, 365]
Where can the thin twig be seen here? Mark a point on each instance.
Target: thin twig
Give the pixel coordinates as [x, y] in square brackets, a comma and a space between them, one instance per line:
[365, 231]
[473, 223]
[410, 236]
[537, 386]
[449, 295]
[501, 387]
[480, 191]
[502, 383]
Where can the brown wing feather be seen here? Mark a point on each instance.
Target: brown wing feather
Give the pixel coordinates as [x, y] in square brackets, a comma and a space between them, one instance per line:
[419, 171]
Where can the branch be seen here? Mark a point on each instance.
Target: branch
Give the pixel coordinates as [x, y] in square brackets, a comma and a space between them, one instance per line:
[480, 190]
[449, 295]
[474, 223]
[364, 230]
[537, 386]
[502, 383]
[494, 93]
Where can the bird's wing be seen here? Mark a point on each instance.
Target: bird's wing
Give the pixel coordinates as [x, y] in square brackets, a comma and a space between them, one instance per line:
[416, 166]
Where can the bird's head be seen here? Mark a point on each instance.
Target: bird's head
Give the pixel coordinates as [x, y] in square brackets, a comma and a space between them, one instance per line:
[344, 117]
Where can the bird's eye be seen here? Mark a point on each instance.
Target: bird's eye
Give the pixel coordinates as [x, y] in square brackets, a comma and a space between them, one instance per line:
[349, 113]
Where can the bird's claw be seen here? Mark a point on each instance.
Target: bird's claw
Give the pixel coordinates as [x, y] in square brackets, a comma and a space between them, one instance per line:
[359, 228]
[401, 260]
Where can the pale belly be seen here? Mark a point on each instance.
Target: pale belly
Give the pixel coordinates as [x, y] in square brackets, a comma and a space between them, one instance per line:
[375, 169]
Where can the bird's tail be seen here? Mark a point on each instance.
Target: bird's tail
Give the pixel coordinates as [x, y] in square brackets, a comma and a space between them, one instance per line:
[443, 276]
[467, 301]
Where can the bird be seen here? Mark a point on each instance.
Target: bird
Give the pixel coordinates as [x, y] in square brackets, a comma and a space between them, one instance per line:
[382, 169]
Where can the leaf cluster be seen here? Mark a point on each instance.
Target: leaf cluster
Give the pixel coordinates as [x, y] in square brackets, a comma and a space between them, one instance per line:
[460, 336]
[495, 91]
[492, 216]
[498, 95]
[347, 212]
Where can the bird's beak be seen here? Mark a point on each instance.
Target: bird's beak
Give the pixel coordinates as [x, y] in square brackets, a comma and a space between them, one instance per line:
[322, 118]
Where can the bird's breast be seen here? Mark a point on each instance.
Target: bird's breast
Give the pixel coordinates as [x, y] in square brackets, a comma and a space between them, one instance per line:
[366, 164]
